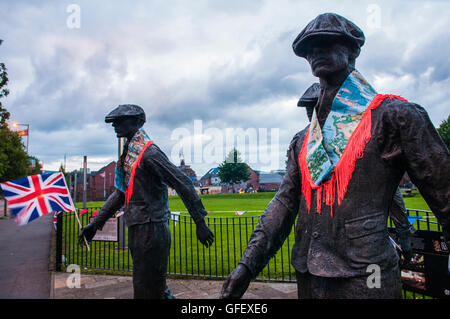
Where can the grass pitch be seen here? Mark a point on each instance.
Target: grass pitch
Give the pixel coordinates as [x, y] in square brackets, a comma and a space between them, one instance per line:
[187, 255]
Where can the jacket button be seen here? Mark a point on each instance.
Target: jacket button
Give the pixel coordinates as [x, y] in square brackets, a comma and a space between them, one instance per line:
[315, 234]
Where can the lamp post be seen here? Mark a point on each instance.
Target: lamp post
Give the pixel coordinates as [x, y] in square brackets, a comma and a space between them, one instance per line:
[23, 132]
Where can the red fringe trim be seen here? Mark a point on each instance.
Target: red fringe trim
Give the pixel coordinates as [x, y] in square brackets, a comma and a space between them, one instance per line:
[129, 190]
[343, 170]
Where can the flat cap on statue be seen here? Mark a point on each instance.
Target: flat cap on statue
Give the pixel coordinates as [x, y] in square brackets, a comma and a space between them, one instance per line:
[125, 110]
[329, 25]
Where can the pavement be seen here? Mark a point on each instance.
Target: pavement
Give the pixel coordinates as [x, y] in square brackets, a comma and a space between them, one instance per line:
[27, 272]
[121, 287]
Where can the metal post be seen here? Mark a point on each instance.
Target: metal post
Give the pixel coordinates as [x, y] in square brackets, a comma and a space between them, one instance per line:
[121, 222]
[27, 130]
[70, 185]
[28, 135]
[59, 227]
[75, 188]
[121, 143]
[84, 181]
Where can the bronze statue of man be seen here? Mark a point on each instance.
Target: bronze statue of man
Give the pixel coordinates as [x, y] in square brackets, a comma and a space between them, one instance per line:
[397, 209]
[142, 175]
[341, 175]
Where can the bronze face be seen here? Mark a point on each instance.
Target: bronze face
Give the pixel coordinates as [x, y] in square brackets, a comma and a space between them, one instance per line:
[327, 58]
[126, 126]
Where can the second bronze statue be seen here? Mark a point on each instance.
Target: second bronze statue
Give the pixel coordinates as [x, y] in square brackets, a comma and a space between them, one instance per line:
[143, 173]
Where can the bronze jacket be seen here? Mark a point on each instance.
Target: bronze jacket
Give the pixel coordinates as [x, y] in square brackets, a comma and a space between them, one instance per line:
[403, 139]
[149, 202]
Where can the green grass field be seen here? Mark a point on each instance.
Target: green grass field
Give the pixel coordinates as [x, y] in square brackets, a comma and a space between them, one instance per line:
[187, 255]
[225, 204]
[416, 202]
[219, 204]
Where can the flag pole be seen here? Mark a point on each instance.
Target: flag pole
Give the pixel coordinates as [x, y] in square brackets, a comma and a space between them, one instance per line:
[85, 241]
[75, 211]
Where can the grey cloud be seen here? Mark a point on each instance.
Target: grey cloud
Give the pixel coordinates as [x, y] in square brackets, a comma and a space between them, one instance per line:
[76, 83]
[64, 98]
[229, 88]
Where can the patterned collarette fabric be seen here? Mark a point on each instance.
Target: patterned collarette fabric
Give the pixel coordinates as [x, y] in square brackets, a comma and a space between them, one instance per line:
[329, 154]
[325, 146]
[135, 146]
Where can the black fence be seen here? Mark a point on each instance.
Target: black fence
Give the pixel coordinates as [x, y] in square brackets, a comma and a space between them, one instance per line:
[189, 258]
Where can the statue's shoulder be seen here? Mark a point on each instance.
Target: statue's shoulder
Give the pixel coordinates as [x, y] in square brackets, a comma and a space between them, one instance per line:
[298, 138]
[154, 154]
[301, 135]
[152, 151]
[398, 110]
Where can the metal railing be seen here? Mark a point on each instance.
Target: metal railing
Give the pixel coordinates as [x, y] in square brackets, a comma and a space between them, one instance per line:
[188, 257]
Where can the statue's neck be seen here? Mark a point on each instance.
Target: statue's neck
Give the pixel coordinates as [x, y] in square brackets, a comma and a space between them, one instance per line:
[335, 79]
[329, 87]
[130, 136]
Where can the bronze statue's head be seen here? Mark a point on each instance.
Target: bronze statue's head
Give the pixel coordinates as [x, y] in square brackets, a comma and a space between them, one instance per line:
[126, 119]
[329, 43]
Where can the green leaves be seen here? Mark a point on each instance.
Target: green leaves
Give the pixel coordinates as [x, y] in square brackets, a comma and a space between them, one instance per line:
[233, 170]
[444, 132]
[13, 158]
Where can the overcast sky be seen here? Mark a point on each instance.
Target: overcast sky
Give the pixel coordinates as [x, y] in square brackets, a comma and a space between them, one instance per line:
[228, 63]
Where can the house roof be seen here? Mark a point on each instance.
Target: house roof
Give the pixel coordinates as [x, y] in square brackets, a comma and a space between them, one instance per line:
[270, 178]
[213, 172]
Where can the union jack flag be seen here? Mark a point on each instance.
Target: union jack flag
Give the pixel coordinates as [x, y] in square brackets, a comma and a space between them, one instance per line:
[31, 197]
[55, 219]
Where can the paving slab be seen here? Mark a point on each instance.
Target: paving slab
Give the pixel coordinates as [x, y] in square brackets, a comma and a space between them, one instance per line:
[25, 258]
[121, 287]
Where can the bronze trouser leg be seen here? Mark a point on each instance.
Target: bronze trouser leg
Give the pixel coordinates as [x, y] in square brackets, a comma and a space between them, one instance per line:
[314, 287]
[150, 246]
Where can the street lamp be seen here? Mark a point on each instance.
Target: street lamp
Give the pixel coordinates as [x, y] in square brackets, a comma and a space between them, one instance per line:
[25, 132]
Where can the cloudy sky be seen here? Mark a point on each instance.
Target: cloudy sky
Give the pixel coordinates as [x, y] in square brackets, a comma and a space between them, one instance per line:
[199, 68]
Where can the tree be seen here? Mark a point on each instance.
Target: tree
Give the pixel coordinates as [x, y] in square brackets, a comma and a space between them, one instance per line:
[13, 158]
[233, 170]
[444, 131]
[35, 167]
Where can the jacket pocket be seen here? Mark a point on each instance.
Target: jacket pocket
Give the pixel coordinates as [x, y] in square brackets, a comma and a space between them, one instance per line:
[367, 240]
[365, 225]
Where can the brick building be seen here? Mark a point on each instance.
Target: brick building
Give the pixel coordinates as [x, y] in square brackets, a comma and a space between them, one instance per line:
[100, 184]
[258, 181]
[269, 182]
[210, 178]
[189, 172]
